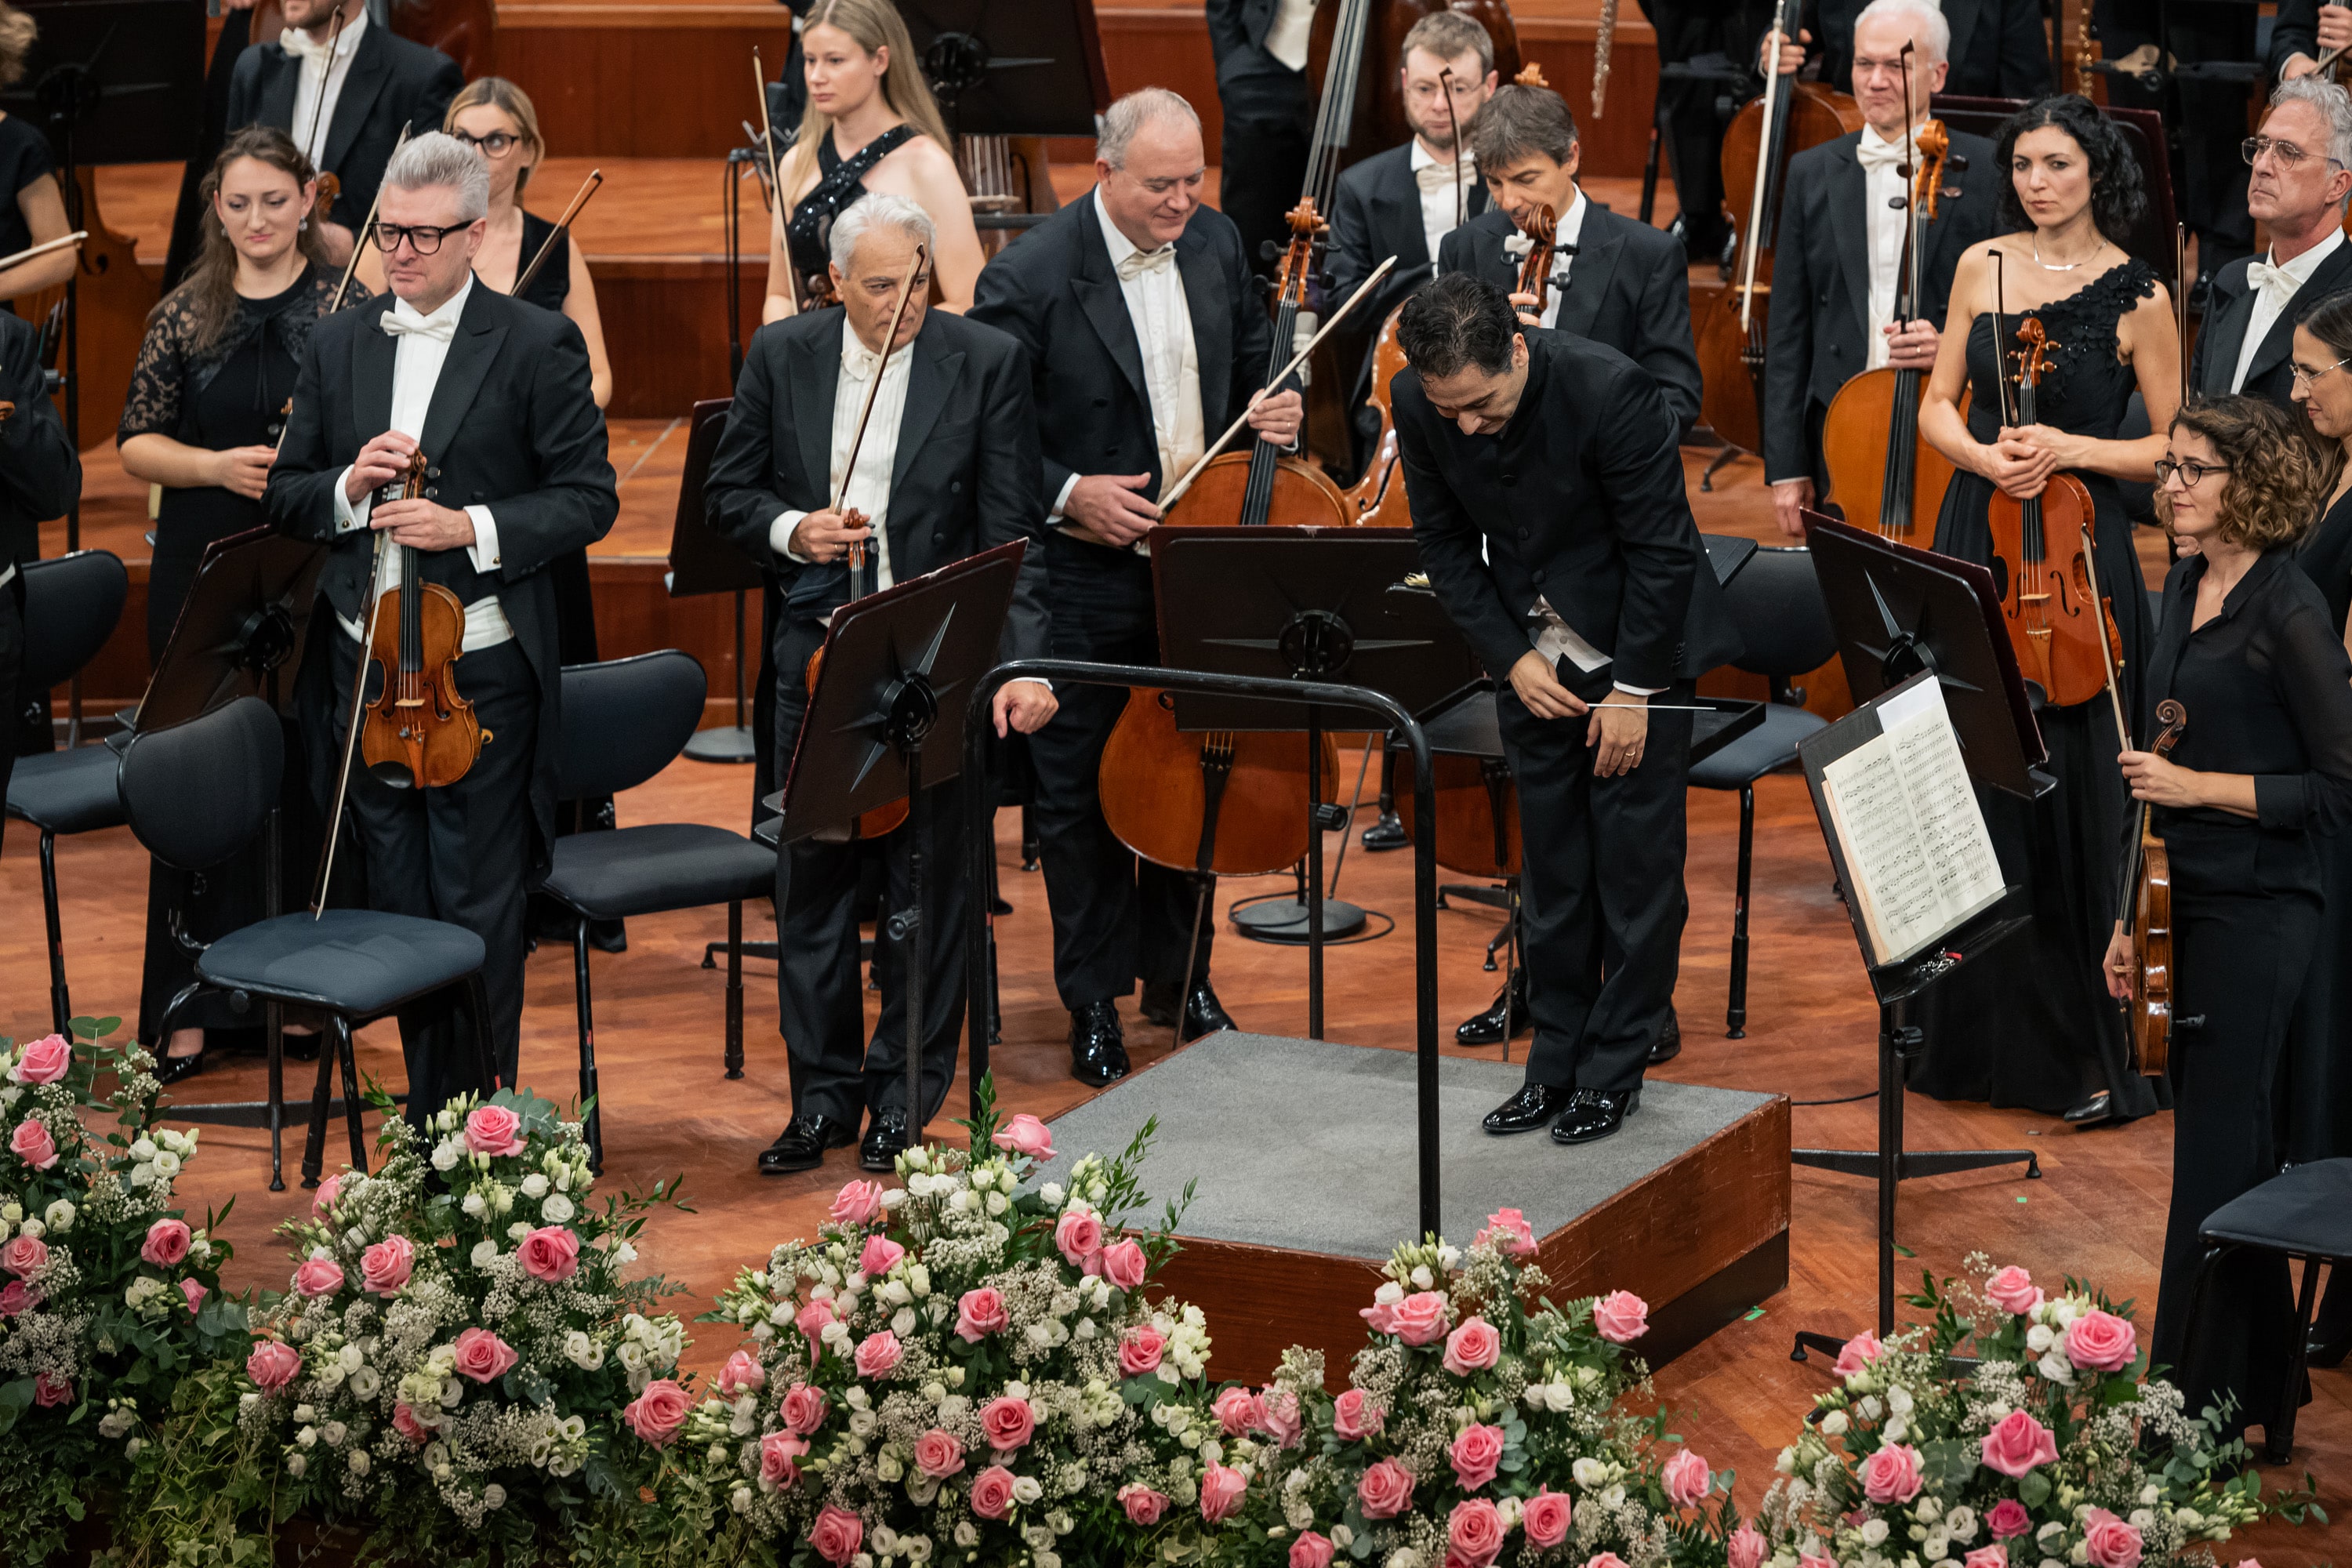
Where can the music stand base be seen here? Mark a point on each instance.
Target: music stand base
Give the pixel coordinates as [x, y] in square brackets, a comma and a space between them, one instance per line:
[731, 744]
[1284, 922]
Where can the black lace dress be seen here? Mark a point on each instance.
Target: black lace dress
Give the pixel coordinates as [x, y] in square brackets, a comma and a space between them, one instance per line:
[2030, 1023]
[841, 182]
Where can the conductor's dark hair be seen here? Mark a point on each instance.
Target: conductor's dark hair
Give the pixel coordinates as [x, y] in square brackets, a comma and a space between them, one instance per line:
[1456, 321]
[2118, 194]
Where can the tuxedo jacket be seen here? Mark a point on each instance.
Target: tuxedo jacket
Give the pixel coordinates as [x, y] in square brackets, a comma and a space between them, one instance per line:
[511, 426]
[1628, 287]
[2295, 32]
[393, 82]
[1819, 332]
[1579, 501]
[2229, 310]
[40, 473]
[1055, 292]
[963, 479]
[1999, 49]
[1253, 86]
[1376, 214]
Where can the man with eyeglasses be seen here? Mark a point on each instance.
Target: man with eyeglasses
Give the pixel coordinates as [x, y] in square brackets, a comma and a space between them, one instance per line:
[493, 394]
[2298, 183]
[343, 87]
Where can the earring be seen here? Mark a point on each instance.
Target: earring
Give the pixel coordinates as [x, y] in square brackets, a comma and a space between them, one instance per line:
[302, 227]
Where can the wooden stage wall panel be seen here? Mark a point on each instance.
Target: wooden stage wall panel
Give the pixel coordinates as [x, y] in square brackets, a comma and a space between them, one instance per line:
[665, 325]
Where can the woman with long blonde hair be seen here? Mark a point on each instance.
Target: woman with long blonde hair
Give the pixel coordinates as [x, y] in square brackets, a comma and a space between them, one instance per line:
[871, 125]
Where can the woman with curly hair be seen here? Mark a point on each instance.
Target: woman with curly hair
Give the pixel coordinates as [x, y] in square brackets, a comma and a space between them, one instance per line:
[2264, 769]
[2030, 1027]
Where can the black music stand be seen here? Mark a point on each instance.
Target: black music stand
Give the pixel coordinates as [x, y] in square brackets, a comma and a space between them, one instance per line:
[703, 563]
[885, 722]
[1904, 614]
[1031, 69]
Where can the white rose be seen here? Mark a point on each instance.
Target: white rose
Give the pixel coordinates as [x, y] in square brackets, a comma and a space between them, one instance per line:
[1961, 1522]
[534, 1185]
[474, 1205]
[558, 1209]
[1898, 1400]
[307, 1437]
[1873, 1531]
[494, 1496]
[485, 1253]
[295, 1465]
[861, 1422]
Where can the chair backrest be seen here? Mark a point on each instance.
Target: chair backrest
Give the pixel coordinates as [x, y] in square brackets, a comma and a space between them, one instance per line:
[71, 603]
[196, 793]
[1782, 617]
[624, 721]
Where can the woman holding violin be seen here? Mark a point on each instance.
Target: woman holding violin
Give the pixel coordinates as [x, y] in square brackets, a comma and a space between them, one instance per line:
[871, 125]
[2263, 769]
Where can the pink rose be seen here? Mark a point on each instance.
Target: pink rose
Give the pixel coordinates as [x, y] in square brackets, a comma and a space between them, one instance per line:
[1893, 1474]
[2012, 1290]
[1143, 1505]
[1007, 1423]
[837, 1535]
[1993, 1556]
[1510, 1228]
[49, 1391]
[1385, 1491]
[1474, 1532]
[811, 1321]
[877, 1353]
[194, 1289]
[1024, 1134]
[992, 1492]
[25, 1257]
[318, 1276]
[657, 1413]
[1604, 1560]
[2016, 1446]
[272, 1364]
[44, 1061]
[2102, 1341]
[938, 1454]
[2009, 1516]
[31, 1143]
[1747, 1548]
[1079, 1235]
[1237, 1410]
[1545, 1518]
[742, 1374]
[1311, 1550]
[18, 1298]
[493, 1130]
[857, 1204]
[1477, 1454]
[1355, 1417]
[1858, 1353]
[780, 1454]
[386, 1267]
[803, 1409]
[1808, 1560]
[1221, 1486]
[1139, 1350]
[1279, 1418]
[404, 1422]
[981, 1313]
[550, 1254]
[1123, 1265]
[2112, 1543]
[1688, 1481]
[1418, 1320]
[1472, 1347]
[482, 1357]
[329, 1191]
[1620, 1317]
[879, 1255]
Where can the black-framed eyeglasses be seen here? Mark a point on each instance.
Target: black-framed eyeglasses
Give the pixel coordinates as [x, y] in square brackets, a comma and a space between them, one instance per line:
[2192, 473]
[497, 145]
[2288, 155]
[2305, 377]
[424, 237]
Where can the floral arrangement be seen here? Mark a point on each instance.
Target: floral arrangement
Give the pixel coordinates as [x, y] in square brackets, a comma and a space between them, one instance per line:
[2056, 1450]
[108, 1296]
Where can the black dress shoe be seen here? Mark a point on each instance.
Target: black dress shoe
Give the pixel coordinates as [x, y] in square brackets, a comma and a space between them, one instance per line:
[1592, 1114]
[1532, 1107]
[885, 1140]
[2099, 1108]
[170, 1070]
[1486, 1028]
[1098, 1047]
[1388, 833]
[1670, 1040]
[1203, 1013]
[801, 1144]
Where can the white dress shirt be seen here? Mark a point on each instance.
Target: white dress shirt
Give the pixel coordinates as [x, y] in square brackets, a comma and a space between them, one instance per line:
[320, 84]
[1882, 229]
[417, 358]
[1439, 199]
[869, 487]
[1287, 35]
[2275, 284]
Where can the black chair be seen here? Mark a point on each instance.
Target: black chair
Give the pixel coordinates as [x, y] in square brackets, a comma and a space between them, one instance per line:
[624, 721]
[196, 793]
[1777, 603]
[2306, 1212]
[72, 606]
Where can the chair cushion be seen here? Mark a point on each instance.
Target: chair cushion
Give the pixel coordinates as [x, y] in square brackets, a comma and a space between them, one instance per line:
[662, 866]
[1770, 745]
[2306, 1211]
[66, 792]
[359, 962]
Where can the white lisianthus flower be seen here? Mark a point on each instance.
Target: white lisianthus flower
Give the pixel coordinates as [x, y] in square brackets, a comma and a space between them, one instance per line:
[1025, 1491]
[624, 1253]
[863, 1423]
[1873, 1531]
[144, 1149]
[1961, 1523]
[1937, 1547]
[966, 1535]
[307, 1437]
[445, 1157]
[296, 1464]
[1590, 1474]
[36, 1229]
[2055, 1367]
[167, 1164]
[558, 1209]
[534, 1185]
[115, 1422]
[365, 1384]
[59, 1216]
[494, 1496]
[474, 1205]
[2040, 1338]
[1835, 1423]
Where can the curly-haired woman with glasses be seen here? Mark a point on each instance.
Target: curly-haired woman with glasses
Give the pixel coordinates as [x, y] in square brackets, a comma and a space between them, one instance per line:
[2263, 772]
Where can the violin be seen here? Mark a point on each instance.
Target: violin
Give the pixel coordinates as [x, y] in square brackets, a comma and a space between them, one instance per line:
[420, 732]
[1541, 229]
[2148, 897]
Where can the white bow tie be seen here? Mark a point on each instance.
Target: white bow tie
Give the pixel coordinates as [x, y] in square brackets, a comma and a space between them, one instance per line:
[858, 362]
[1875, 155]
[2275, 281]
[1142, 263]
[300, 45]
[440, 329]
[1441, 176]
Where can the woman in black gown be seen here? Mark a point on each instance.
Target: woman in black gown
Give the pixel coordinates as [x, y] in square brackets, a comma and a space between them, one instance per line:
[2030, 1026]
[2262, 774]
[207, 403]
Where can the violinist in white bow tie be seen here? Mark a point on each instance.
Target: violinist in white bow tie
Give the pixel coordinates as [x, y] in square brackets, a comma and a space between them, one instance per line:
[2297, 188]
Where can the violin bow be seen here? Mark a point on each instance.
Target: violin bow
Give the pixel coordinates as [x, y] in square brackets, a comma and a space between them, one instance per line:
[1454, 128]
[2000, 342]
[768, 138]
[588, 188]
[360, 243]
[46, 246]
[2180, 301]
[874, 388]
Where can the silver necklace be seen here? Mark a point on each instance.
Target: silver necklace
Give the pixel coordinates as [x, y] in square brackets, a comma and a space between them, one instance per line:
[2063, 267]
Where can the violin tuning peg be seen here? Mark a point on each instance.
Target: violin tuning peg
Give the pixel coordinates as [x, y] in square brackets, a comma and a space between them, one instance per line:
[1899, 204]
[1952, 191]
[1958, 163]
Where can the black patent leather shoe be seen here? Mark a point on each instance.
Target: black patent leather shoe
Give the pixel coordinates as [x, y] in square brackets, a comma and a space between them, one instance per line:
[1532, 1109]
[1098, 1046]
[1203, 1013]
[801, 1144]
[885, 1140]
[1592, 1115]
[1388, 833]
[170, 1069]
[1669, 1042]
[1486, 1028]
[2090, 1112]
